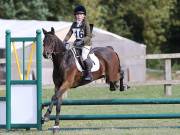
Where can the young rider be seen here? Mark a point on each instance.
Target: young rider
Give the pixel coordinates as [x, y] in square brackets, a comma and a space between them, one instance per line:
[81, 29]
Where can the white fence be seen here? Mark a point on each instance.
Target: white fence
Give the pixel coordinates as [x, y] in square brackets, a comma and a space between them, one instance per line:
[167, 82]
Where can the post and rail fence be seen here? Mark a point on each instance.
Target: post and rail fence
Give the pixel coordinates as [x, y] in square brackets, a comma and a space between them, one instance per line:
[168, 81]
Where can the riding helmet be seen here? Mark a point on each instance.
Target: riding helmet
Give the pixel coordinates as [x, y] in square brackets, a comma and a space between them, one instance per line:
[80, 9]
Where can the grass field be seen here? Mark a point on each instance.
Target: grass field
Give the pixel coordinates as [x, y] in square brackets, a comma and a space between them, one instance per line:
[113, 127]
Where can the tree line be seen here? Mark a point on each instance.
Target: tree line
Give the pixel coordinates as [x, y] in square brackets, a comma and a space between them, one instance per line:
[155, 23]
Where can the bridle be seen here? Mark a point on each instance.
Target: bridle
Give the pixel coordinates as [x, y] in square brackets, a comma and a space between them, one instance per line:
[53, 52]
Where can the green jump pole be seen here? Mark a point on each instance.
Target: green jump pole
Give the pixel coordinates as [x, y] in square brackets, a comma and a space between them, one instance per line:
[23, 60]
[127, 101]
[8, 79]
[115, 116]
[39, 77]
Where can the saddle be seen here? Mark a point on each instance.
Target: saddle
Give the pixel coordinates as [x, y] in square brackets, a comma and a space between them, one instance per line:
[93, 61]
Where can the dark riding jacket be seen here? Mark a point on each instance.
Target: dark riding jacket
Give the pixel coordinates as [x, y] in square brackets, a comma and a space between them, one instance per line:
[81, 32]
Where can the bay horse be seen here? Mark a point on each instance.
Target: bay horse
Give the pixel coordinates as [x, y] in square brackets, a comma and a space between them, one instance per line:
[66, 75]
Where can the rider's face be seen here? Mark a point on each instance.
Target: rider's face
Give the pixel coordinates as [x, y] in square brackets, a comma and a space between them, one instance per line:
[80, 17]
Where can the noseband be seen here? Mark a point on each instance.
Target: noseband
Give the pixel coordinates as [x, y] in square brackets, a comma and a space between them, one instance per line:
[53, 52]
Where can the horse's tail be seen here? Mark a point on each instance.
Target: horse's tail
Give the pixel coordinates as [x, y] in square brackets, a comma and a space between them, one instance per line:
[110, 47]
[121, 87]
[116, 55]
[118, 61]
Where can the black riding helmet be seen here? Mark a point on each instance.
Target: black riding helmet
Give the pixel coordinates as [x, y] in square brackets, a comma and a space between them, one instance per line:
[80, 9]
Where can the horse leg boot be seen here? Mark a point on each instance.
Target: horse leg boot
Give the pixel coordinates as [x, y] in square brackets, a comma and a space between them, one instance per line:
[87, 74]
[49, 110]
[59, 94]
[58, 109]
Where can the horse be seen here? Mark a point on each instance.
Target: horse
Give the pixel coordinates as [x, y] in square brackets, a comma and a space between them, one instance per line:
[65, 72]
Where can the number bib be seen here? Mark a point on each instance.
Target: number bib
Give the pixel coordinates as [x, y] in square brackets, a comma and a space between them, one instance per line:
[78, 32]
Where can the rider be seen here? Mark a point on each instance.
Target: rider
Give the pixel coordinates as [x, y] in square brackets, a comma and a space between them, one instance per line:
[81, 29]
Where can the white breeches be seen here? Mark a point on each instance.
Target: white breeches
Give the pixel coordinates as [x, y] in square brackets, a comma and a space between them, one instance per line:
[85, 52]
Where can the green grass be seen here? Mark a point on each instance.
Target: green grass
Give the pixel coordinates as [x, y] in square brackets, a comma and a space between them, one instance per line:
[103, 92]
[113, 127]
[116, 126]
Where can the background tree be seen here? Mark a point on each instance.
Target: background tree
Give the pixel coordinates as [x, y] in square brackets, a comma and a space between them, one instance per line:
[24, 9]
[142, 21]
[173, 33]
[155, 23]
[61, 9]
[7, 9]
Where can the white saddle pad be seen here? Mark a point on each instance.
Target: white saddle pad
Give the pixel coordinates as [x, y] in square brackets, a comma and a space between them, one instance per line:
[95, 63]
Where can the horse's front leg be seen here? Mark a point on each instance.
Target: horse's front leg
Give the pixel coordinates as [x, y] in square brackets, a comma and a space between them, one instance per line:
[59, 95]
[58, 109]
[49, 110]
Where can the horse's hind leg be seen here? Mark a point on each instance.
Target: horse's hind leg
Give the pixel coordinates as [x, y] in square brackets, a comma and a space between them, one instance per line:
[121, 87]
[113, 79]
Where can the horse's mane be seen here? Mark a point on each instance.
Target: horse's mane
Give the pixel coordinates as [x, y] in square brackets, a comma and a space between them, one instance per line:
[66, 55]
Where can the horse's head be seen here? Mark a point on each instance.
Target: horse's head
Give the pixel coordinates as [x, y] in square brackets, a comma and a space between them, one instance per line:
[51, 44]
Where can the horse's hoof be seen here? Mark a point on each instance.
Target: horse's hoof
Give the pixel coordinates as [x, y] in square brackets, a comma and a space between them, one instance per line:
[122, 88]
[112, 89]
[45, 119]
[56, 129]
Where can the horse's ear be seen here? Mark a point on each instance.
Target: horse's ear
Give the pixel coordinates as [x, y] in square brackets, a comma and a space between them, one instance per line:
[52, 30]
[44, 31]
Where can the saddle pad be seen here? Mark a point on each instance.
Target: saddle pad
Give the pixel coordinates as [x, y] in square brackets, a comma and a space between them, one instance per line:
[95, 63]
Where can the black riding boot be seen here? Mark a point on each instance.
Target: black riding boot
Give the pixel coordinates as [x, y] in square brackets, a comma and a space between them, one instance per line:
[87, 72]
